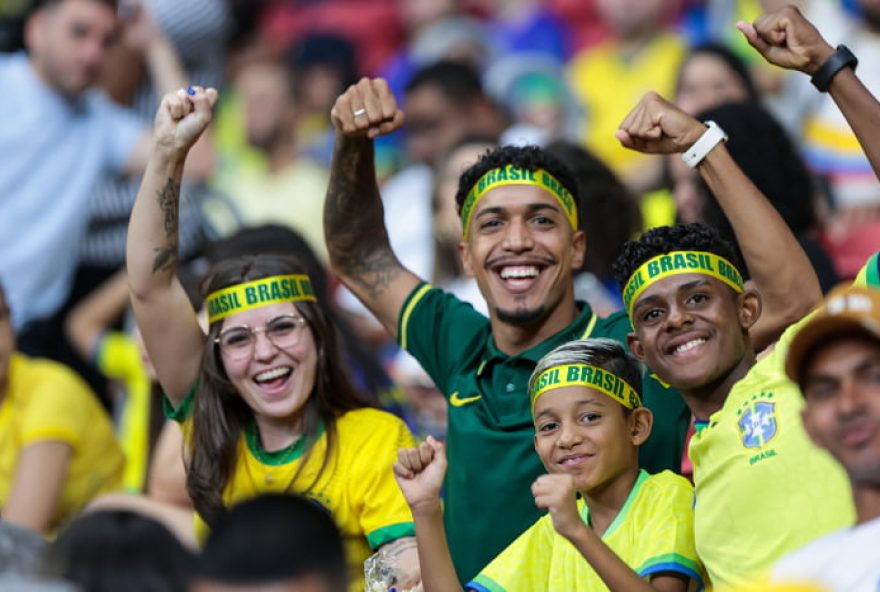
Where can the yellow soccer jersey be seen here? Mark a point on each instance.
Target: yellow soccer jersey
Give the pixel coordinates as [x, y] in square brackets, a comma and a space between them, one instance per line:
[357, 488]
[653, 533]
[609, 86]
[119, 357]
[46, 401]
[762, 488]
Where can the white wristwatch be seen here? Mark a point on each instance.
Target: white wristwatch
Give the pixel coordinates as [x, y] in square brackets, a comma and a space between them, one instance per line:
[713, 136]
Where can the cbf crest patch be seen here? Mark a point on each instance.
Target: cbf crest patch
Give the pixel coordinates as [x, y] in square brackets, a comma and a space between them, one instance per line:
[757, 423]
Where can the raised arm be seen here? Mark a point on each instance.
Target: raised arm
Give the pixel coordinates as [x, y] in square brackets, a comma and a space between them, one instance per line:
[787, 39]
[354, 225]
[419, 472]
[779, 268]
[556, 494]
[163, 312]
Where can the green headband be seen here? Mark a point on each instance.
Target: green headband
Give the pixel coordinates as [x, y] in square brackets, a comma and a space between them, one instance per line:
[678, 262]
[511, 175]
[591, 377]
[250, 295]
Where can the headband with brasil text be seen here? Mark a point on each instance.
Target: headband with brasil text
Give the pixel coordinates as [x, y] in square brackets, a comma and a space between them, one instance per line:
[512, 175]
[678, 262]
[589, 376]
[249, 295]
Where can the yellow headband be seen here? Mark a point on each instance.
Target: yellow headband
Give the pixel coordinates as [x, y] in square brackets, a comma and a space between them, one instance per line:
[249, 295]
[678, 262]
[511, 175]
[589, 376]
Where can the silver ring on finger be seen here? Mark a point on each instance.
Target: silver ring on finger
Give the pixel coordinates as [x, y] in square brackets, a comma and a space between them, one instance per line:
[359, 112]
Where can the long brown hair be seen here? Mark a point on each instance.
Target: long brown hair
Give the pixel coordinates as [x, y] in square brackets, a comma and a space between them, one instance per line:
[220, 415]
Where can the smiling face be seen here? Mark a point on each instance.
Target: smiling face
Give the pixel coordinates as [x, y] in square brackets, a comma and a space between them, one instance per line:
[275, 382]
[841, 386]
[692, 329]
[588, 435]
[522, 251]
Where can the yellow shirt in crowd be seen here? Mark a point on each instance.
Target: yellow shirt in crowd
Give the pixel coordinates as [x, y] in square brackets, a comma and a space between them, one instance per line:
[46, 401]
[763, 489]
[653, 533]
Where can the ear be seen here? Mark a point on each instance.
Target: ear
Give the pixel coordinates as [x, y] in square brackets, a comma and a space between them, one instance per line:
[579, 249]
[635, 346]
[641, 421]
[464, 255]
[749, 303]
[33, 31]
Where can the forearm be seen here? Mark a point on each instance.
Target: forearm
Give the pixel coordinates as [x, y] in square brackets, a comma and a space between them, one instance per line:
[357, 241]
[151, 249]
[778, 265]
[616, 574]
[862, 112]
[438, 571]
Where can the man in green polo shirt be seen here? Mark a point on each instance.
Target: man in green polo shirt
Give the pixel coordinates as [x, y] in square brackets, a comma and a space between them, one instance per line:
[521, 243]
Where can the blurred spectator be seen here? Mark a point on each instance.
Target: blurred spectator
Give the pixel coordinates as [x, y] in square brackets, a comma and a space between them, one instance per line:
[12, 13]
[609, 215]
[273, 542]
[198, 31]
[711, 75]
[424, 406]
[642, 54]
[57, 447]
[532, 89]
[278, 186]
[108, 551]
[525, 26]
[766, 154]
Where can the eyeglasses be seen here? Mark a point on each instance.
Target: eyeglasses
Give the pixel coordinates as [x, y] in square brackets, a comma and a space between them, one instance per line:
[237, 343]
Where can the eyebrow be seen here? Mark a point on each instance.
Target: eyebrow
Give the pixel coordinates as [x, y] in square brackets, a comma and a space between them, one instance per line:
[679, 289]
[598, 401]
[532, 207]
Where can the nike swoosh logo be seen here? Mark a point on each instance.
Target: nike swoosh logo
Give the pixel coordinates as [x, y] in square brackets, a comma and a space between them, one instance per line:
[458, 401]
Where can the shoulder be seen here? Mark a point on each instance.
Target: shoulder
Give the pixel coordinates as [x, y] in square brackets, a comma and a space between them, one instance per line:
[375, 426]
[45, 377]
[669, 484]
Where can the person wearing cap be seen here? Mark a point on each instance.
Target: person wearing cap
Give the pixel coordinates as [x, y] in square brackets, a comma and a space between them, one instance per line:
[762, 487]
[264, 399]
[521, 242]
[835, 360]
[610, 524]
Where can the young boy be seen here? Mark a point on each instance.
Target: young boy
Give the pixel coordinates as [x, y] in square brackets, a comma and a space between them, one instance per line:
[762, 488]
[589, 423]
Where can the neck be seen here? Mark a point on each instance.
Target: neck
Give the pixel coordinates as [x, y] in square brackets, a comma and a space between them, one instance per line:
[276, 433]
[867, 502]
[514, 339]
[706, 399]
[606, 501]
[281, 153]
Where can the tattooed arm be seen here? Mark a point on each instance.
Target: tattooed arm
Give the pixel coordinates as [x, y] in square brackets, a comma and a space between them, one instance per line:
[354, 226]
[164, 315]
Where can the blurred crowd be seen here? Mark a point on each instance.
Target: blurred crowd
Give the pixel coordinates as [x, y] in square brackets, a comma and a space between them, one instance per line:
[81, 82]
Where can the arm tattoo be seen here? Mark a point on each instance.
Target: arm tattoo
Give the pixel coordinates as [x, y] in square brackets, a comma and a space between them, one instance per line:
[354, 220]
[167, 198]
[396, 547]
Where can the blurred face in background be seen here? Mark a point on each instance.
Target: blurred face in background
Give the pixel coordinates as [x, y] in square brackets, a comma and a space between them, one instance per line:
[633, 18]
[433, 123]
[68, 43]
[264, 90]
[706, 82]
[447, 223]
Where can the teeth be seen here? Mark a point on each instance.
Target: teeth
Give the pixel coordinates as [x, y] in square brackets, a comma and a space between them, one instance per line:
[686, 347]
[519, 272]
[272, 374]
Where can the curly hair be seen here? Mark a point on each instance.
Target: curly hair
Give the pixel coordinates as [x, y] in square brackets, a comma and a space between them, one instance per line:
[530, 158]
[665, 239]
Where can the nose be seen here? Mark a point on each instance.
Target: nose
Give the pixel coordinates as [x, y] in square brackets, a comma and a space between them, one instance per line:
[517, 237]
[677, 316]
[852, 398]
[569, 435]
[264, 349]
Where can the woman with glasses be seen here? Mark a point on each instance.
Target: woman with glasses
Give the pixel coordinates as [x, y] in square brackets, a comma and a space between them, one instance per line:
[265, 402]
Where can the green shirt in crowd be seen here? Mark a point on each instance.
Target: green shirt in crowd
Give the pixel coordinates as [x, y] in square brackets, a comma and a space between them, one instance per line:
[492, 460]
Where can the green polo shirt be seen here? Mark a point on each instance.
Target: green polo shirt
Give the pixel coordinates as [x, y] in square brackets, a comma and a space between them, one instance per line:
[492, 459]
